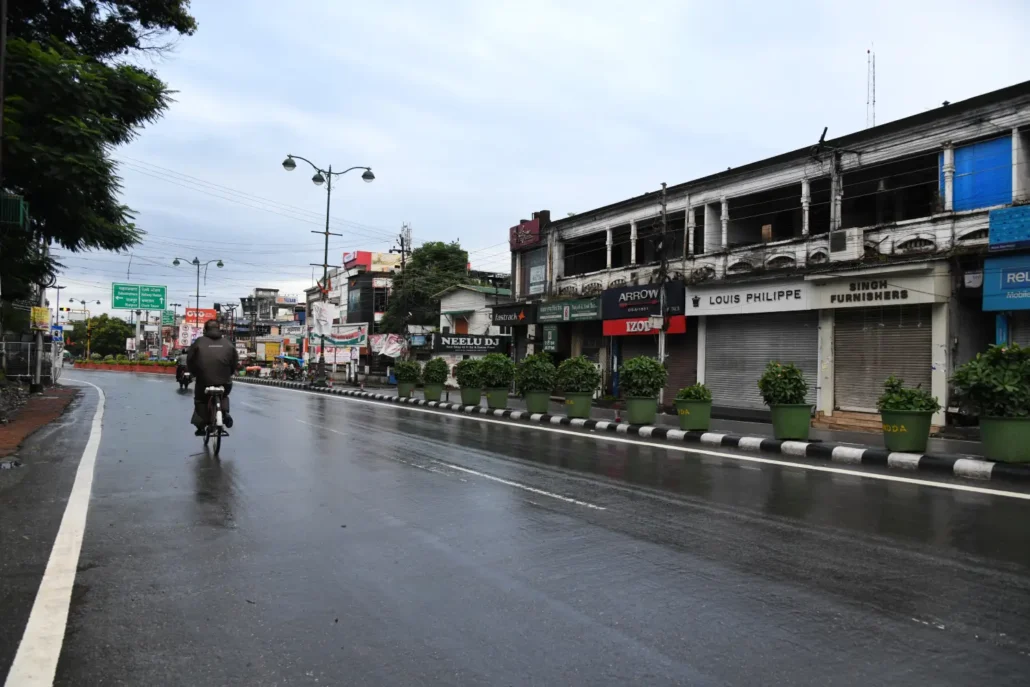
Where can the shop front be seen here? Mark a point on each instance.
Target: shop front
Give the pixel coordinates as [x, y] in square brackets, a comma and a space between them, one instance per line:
[1007, 293]
[520, 319]
[572, 328]
[742, 327]
[883, 323]
[631, 330]
[457, 347]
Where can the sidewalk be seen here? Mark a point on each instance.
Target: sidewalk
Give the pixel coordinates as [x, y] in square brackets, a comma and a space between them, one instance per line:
[40, 410]
[737, 427]
[953, 458]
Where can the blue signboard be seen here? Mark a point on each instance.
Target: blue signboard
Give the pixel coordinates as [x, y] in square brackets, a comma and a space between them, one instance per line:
[1010, 228]
[1007, 283]
[57, 333]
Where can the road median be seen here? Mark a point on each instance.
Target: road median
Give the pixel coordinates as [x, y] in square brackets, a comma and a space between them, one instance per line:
[963, 466]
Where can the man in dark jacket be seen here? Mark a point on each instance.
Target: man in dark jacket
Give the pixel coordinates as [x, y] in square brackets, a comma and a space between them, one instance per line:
[212, 360]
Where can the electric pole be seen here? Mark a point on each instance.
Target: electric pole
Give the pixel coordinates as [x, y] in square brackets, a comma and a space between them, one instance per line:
[663, 276]
[404, 238]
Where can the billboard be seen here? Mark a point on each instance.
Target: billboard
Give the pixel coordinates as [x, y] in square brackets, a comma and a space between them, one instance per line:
[200, 315]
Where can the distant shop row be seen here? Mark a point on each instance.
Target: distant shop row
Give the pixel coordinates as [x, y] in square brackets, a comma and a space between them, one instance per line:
[847, 330]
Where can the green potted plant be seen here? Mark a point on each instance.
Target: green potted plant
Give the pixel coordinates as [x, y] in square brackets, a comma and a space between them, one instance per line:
[469, 374]
[906, 415]
[534, 379]
[408, 374]
[578, 379]
[498, 374]
[640, 380]
[995, 385]
[434, 375]
[694, 407]
[783, 389]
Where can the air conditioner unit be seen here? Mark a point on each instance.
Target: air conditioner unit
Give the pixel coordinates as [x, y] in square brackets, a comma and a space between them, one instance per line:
[846, 244]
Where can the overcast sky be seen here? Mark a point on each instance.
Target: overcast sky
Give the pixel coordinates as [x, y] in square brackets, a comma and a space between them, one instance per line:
[473, 114]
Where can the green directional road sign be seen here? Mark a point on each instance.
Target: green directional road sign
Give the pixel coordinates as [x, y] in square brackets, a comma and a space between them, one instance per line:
[168, 318]
[137, 297]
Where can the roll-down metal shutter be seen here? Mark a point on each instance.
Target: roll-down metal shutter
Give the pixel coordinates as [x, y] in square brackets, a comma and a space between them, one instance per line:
[633, 346]
[681, 361]
[870, 344]
[738, 347]
[1019, 328]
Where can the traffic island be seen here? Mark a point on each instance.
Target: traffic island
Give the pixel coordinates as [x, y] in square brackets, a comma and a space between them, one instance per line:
[955, 465]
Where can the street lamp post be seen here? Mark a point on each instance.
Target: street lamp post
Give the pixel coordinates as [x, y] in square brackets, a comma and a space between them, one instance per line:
[198, 264]
[325, 176]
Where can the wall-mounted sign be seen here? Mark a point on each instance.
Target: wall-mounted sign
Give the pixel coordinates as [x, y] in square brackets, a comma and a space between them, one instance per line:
[579, 310]
[642, 325]
[524, 235]
[464, 343]
[550, 338]
[200, 315]
[639, 301]
[883, 289]
[1007, 283]
[137, 297]
[1009, 228]
[344, 335]
[381, 282]
[736, 299]
[40, 317]
[286, 300]
[513, 315]
[536, 271]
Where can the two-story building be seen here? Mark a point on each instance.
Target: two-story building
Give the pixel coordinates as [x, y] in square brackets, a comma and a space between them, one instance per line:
[467, 326]
[856, 258]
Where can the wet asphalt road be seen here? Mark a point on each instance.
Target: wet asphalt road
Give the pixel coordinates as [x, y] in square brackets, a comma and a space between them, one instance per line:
[339, 542]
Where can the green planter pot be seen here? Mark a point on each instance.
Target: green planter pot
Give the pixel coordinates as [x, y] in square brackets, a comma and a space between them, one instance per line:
[641, 410]
[497, 398]
[791, 420]
[404, 389]
[470, 397]
[906, 430]
[1006, 439]
[537, 401]
[433, 392]
[577, 403]
[694, 415]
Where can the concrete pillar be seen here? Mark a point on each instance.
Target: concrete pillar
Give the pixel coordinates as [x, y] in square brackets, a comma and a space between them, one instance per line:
[632, 243]
[806, 202]
[836, 192]
[725, 218]
[557, 264]
[702, 337]
[949, 177]
[939, 358]
[608, 246]
[689, 240]
[1020, 167]
[516, 282]
[824, 390]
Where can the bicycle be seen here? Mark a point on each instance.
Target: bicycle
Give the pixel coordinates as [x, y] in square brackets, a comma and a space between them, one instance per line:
[215, 427]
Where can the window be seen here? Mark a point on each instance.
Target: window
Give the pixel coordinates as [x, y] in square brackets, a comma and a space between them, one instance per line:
[446, 330]
[983, 174]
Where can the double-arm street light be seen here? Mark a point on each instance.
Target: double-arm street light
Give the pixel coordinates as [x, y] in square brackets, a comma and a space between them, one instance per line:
[89, 324]
[325, 176]
[198, 264]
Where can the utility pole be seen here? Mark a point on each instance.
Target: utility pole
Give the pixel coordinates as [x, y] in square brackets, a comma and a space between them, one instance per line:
[404, 238]
[663, 276]
[37, 377]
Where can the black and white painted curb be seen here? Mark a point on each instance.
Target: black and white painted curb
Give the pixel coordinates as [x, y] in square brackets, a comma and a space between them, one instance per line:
[964, 466]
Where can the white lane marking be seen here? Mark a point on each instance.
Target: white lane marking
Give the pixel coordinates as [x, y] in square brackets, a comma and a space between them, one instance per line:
[517, 485]
[717, 454]
[40, 647]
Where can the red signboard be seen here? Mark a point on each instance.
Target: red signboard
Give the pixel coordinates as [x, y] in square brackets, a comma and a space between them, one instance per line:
[200, 316]
[356, 258]
[524, 235]
[642, 325]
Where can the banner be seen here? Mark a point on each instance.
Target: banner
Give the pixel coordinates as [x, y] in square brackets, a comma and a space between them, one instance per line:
[344, 335]
[40, 318]
[321, 316]
[200, 315]
[392, 345]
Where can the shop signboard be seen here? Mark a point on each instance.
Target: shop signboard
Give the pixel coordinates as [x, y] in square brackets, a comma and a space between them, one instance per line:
[1007, 283]
[738, 299]
[137, 296]
[882, 289]
[524, 235]
[579, 310]
[628, 302]
[536, 261]
[550, 338]
[637, 326]
[464, 343]
[513, 315]
[1009, 228]
[200, 315]
[57, 333]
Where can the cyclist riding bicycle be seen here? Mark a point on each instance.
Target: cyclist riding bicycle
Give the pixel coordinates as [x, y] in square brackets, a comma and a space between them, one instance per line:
[212, 360]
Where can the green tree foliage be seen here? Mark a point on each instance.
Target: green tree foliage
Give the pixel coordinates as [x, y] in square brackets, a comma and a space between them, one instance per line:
[72, 95]
[108, 335]
[431, 268]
